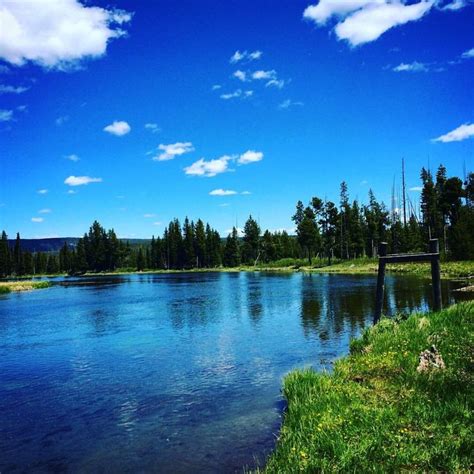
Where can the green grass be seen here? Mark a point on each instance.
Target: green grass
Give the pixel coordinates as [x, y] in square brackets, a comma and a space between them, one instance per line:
[375, 412]
[449, 269]
[9, 286]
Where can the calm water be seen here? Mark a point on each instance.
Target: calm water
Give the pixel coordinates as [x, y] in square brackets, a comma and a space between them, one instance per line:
[169, 373]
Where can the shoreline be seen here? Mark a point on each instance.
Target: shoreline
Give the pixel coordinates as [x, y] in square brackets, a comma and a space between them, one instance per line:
[463, 270]
[388, 402]
[7, 287]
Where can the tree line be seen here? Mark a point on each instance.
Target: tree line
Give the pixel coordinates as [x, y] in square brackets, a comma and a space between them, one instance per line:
[324, 230]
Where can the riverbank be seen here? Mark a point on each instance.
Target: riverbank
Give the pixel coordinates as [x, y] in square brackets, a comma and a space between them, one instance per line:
[376, 411]
[9, 286]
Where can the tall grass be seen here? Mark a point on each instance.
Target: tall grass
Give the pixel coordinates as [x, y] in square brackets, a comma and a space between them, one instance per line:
[9, 286]
[375, 412]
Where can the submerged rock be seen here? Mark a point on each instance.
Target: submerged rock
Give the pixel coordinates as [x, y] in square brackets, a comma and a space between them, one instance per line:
[430, 359]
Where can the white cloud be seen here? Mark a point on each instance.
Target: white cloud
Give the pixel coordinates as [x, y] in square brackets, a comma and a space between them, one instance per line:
[245, 55]
[232, 95]
[461, 133]
[209, 168]
[118, 128]
[57, 33]
[12, 89]
[237, 56]
[241, 75]
[148, 216]
[250, 156]
[216, 87]
[325, 9]
[286, 104]
[468, 54]
[171, 151]
[255, 55]
[72, 157]
[362, 21]
[37, 219]
[222, 192]
[81, 180]
[454, 6]
[412, 67]
[246, 193]
[44, 211]
[153, 127]
[157, 223]
[6, 115]
[42, 191]
[278, 83]
[416, 188]
[264, 74]
[237, 93]
[22, 108]
[72, 191]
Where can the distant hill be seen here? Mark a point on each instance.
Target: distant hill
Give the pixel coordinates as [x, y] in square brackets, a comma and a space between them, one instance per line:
[54, 244]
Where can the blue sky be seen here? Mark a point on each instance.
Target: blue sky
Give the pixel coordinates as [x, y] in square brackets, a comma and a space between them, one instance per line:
[133, 113]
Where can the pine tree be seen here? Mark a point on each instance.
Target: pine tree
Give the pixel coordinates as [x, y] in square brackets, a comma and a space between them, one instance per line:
[17, 256]
[200, 244]
[5, 262]
[232, 250]
[251, 238]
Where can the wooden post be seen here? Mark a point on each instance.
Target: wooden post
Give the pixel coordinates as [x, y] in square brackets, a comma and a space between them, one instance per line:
[435, 274]
[380, 282]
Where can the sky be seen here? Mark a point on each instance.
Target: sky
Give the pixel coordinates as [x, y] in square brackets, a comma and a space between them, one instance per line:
[133, 113]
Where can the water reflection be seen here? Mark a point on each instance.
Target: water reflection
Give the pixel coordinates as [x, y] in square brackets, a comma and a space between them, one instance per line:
[129, 373]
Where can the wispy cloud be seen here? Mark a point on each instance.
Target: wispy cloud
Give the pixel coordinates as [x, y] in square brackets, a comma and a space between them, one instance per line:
[4, 89]
[57, 34]
[278, 83]
[61, 120]
[286, 104]
[156, 223]
[468, 54]
[149, 215]
[216, 87]
[222, 192]
[42, 191]
[411, 67]
[37, 219]
[245, 56]
[118, 128]
[250, 156]
[71, 191]
[416, 189]
[246, 193]
[463, 132]
[44, 211]
[455, 5]
[153, 127]
[72, 157]
[232, 95]
[6, 115]
[237, 93]
[81, 180]
[172, 150]
[363, 21]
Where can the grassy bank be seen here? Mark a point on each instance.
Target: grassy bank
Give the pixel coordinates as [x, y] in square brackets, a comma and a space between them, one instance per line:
[375, 412]
[9, 286]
